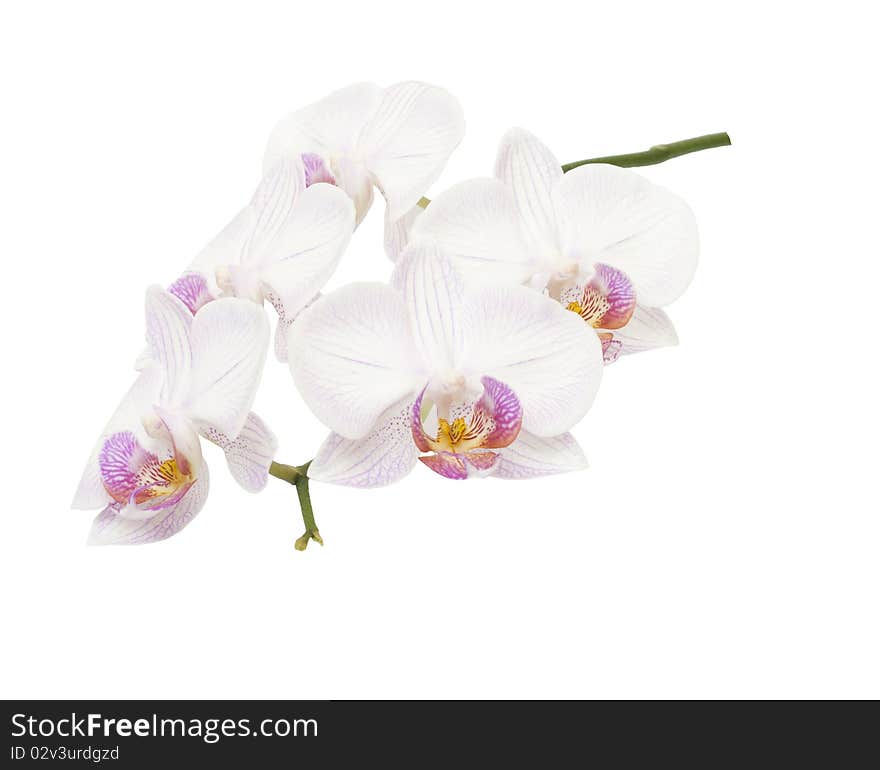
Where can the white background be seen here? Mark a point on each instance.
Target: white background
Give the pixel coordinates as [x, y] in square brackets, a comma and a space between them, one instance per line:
[724, 542]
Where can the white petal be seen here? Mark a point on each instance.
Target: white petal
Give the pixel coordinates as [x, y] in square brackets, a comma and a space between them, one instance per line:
[273, 205]
[137, 401]
[380, 458]
[531, 171]
[227, 248]
[249, 454]
[307, 250]
[613, 215]
[351, 356]
[432, 290]
[109, 528]
[548, 355]
[327, 127]
[648, 328]
[230, 338]
[530, 456]
[168, 327]
[477, 224]
[408, 139]
[397, 231]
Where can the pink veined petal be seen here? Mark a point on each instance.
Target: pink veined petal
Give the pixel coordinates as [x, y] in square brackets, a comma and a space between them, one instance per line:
[649, 328]
[417, 430]
[619, 293]
[110, 528]
[327, 127]
[249, 454]
[192, 290]
[230, 339]
[352, 357]
[433, 292]
[483, 462]
[611, 347]
[120, 462]
[532, 172]
[168, 324]
[617, 217]
[499, 404]
[383, 457]
[316, 169]
[531, 456]
[477, 224]
[408, 139]
[447, 464]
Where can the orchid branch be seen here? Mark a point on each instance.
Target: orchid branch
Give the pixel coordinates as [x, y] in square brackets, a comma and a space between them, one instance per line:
[658, 153]
[298, 477]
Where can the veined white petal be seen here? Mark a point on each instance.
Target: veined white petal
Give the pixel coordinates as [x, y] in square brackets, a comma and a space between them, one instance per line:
[355, 179]
[382, 457]
[613, 215]
[408, 139]
[230, 338]
[168, 327]
[530, 456]
[549, 357]
[352, 357]
[109, 528]
[648, 328]
[432, 290]
[398, 231]
[227, 248]
[249, 454]
[274, 204]
[531, 171]
[477, 224]
[306, 251]
[328, 127]
[139, 399]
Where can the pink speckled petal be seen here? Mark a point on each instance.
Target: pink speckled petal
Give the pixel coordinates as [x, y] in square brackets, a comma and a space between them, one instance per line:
[119, 461]
[482, 461]
[447, 464]
[249, 454]
[611, 347]
[415, 423]
[499, 403]
[316, 170]
[192, 289]
[620, 293]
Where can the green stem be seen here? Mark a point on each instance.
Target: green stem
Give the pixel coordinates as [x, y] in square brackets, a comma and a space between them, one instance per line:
[658, 153]
[298, 476]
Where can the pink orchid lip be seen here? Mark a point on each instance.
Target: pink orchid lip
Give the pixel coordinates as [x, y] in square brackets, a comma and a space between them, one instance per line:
[495, 422]
[192, 289]
[607, 301]
[134, 476]
[316, 169]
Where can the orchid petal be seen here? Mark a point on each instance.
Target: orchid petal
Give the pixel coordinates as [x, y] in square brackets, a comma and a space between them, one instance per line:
[230, 338]
[433, 291]
[227, 248]
[547, 355]
[249, 454]
[613, 215]
[110, 528]
[447, 464]
[326, 127]
[408, 139]
[531, 171]
[168, 327]
[192, 290]
[648, 328]
[398, 231]
[500, 404]
[382, 457]
[274, 203]
[307, 249]
[477, 225]
[530, 456]
[351, 356]
[481, 462]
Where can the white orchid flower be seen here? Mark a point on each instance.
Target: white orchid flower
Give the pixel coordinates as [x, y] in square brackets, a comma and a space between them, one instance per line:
[602, 240]
[397, 139]
[469, 380]
[284, 246]
[147, 471]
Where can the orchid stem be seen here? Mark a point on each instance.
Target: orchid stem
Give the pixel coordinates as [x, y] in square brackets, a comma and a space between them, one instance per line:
[298, 476]
[658, 153]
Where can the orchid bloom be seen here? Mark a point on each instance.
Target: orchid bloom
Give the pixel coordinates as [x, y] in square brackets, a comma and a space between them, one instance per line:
[470, 380]
[397, 139]
[606, 243]
[283, 246]
[200, 376]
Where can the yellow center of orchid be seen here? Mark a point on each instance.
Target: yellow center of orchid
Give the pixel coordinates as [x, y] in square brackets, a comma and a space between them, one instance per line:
[459, 436]
[592, 308]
